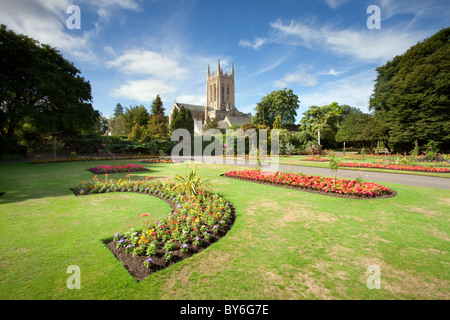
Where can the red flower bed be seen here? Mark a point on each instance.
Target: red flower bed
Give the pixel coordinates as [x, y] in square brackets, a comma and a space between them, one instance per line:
[118, 168]
[315, 183]
[392, 167]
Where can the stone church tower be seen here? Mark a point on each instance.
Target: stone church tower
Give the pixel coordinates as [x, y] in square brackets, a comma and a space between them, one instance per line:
[220, 89]
[220, 99]
[220, 102]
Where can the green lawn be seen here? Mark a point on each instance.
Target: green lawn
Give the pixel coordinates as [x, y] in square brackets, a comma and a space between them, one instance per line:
[285, 244]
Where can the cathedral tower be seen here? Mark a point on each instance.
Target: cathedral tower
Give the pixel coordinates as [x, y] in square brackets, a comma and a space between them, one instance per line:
[220, 89]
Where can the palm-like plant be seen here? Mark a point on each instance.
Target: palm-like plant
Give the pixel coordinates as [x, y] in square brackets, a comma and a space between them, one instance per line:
[191, 183]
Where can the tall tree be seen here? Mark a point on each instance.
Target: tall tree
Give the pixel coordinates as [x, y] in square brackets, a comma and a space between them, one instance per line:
[411, 94]
[173, 122]
[117, 125]
[135, 115]
[157, 106]
[38, 86]
[182, 119]
[324, 119]
[118, 110]
[282, 103]
[158, 123]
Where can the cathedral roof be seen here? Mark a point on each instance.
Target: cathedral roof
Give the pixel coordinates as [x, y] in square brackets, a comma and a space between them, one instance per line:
[191, 107]
[230, 121]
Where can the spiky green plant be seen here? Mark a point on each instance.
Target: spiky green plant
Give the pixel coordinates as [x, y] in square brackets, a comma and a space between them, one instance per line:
[191, 183]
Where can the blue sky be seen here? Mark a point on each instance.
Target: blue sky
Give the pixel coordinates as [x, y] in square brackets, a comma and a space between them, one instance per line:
[132, 50]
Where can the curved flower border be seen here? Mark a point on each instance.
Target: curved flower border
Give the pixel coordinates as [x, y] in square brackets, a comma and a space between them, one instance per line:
[118, 168]
[161, 161]
[194, 224]
[323, 185]
[393, 167]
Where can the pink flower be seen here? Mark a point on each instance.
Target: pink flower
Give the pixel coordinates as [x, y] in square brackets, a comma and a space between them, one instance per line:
[144, 215]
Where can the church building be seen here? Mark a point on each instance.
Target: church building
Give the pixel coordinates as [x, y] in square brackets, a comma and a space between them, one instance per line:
[220, 102]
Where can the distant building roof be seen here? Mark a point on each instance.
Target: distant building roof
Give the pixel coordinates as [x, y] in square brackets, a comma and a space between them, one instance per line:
[190, 107]
[230, 121]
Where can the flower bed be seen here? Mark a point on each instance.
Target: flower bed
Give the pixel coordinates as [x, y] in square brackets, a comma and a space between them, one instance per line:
[324, 185]
[195, 223]
[161, 161]
[392, 167]
[117, 168]
[316, 159]
[89, 158]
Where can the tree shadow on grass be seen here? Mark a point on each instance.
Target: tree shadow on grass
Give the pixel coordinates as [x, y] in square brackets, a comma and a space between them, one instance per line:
[24, 181]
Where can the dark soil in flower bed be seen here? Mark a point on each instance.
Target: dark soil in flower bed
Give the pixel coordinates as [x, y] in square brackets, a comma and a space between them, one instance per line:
[392, 194]
[135, 264]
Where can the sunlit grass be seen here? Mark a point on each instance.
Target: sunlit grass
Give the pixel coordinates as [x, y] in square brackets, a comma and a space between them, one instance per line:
[285, 244]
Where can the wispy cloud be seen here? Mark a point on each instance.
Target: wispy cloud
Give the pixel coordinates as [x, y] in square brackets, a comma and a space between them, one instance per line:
[144, 62]
[255, 44]
[363, 44]
[192, 99]
[354, 90]
[272, 66]
[300, 78]
[147, 73]
[333, 72]
[337, 3]
[45, 21]
[143, 90]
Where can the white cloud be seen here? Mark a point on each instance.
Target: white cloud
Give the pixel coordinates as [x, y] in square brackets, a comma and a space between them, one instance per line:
[172, 76]
[256, 44]
[300, 77]
[45, 21]
[104, 8]
[144, 62]
[143, 90]
[377, 46]
[271, 66]
[192, 99]
[337, 3]
[354, 90]
[334, 72]
[365, 45]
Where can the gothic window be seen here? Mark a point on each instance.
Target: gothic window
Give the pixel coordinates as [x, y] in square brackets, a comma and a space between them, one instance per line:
[223, 94]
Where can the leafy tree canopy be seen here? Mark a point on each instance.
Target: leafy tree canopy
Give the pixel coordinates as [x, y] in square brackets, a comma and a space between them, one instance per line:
[38, 86]
[364, 130]
[324, 118]
[411, 93]
[135, 115]
[282, 103]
